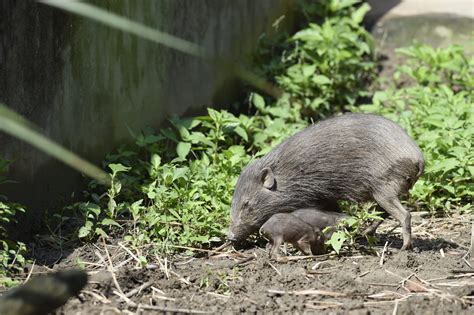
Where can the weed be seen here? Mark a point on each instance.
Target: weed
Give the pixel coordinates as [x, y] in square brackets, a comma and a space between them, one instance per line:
[325, 66]
[11, 252]
[350, 228]
[436, 110]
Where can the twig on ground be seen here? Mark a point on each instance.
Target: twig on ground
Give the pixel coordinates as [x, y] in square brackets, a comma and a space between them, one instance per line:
[308, 292]
[382, 257]
[123, 297]
[220, 248]
[467, 262]
[119, 291]
[435, 292]
[395, 308]
[243, 262]
[130, 253]
[218, 295]
[194, 249]
[465, 272]
[373, 303]
[383, 284]
[172, 310]
[122, 263]
[274, 268]
[159, 294]
[319, 264]
[386, 295]
[97, 296]
[101, 258]
[30, 272]
[295, 258]
[185, 262]
[180, 278]
[324, 271]
[416, 286]
[139, 289]
[363, 274]
[455, 284]
[163, 267]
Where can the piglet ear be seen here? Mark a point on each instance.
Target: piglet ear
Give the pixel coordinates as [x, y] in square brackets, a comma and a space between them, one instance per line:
[267, 178]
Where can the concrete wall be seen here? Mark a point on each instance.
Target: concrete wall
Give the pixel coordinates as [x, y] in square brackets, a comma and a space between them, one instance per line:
[84, 83]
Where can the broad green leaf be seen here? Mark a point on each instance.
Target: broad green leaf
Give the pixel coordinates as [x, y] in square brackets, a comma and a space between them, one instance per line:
[380, 97]
[308, 70]
[337, 239]
[183, 149]
[155, 160]
[241, 132]
[358, 15]
[111, 205]
[321, 79]
[117, 168]
[444, 165]
[258, 101]
[180, 173]
[85, 230]
[351, 221]
[109, 222]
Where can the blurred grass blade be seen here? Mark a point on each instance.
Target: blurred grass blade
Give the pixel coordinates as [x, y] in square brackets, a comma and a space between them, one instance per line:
[127, 25]
[257, 82]
[119, 22]
[17, 126]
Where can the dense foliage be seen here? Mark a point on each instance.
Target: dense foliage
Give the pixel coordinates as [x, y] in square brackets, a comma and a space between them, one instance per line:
[11, 252]
[435, 107]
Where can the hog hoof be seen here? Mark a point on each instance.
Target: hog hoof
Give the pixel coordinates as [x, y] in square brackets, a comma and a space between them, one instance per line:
[408, 246]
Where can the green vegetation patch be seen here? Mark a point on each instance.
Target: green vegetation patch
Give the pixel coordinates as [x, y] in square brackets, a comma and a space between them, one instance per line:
[11, 252]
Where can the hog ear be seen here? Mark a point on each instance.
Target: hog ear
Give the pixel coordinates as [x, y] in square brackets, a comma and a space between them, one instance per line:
[267, 178]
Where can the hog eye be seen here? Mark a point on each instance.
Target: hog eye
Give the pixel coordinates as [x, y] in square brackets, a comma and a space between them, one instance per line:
[246, 204]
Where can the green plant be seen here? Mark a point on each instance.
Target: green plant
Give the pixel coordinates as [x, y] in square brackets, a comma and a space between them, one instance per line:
[166, 197]
[433, 67]
[436, 110]
[11, 252]
[330, 63]
[350, 228]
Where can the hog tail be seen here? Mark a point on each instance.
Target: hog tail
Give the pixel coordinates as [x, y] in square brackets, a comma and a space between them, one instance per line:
[421, 166]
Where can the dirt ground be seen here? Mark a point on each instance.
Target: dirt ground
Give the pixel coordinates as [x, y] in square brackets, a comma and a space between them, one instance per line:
[435, 278]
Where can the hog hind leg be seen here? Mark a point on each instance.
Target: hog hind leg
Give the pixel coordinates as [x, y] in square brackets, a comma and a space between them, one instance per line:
[275, 246]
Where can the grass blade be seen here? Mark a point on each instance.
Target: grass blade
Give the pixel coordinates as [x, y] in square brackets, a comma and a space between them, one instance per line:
[19, 127]
[119, 22]
[124, 24]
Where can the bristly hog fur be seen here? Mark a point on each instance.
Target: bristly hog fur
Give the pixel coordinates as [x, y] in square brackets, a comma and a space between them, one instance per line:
[355, 157]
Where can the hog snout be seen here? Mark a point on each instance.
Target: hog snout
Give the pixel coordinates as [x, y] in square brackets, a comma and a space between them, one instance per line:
[239, 232]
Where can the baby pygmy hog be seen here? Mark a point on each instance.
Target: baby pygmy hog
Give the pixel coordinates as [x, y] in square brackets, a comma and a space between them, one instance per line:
[287, 228]
[320, 219]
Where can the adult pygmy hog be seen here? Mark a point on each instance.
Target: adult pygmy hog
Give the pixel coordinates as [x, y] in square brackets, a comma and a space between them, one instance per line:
[355, 157]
